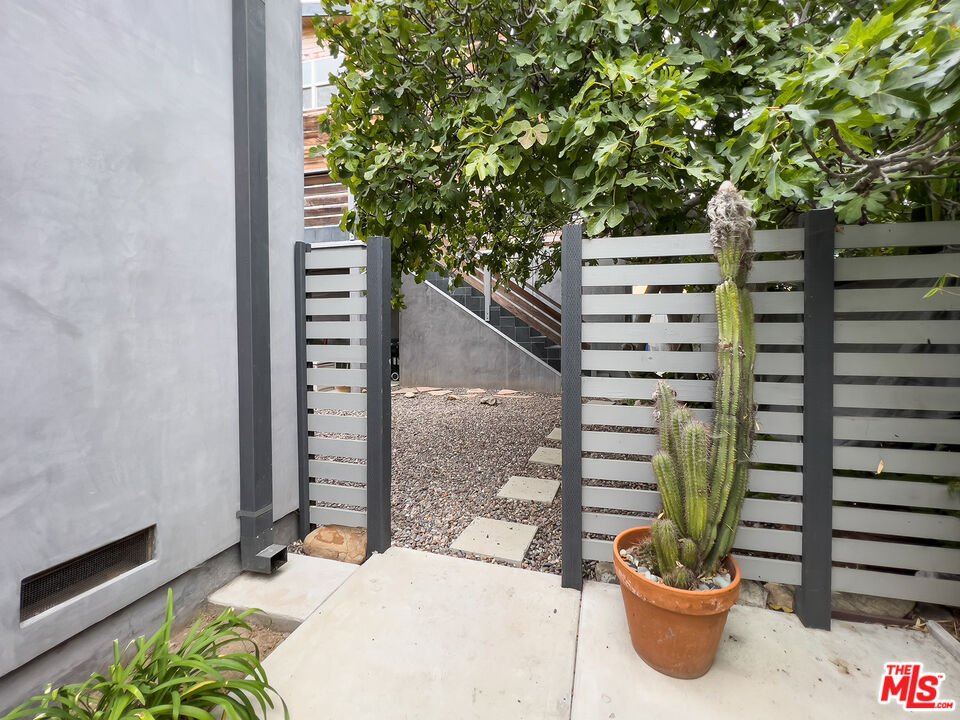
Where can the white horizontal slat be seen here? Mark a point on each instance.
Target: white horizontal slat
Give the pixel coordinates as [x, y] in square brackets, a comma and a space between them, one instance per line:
[754, 510]
[338, 494]
[891, 300]
[896, 555]
[910, 462]
[897, 429]
[764, 451]
[334, 447]
[765, 569]
[337, 401]
[336, 376]
[340, 282]
[895, 332]
[337, 424]
[908, 493]
[896, 267]
[337, 516]
[907, 587]
[336, 306]
[682, 245]
[685, 303]
[783, 482]
[683, 361]
[782, 542]
[620, 332]
[893, 522]
[689, 390]
[321, 258]
[898, 234]
[897, 364]
[342, 471]
[336, 330]
[642, 416]
[896, 397]
[336, 353]
[705, 273]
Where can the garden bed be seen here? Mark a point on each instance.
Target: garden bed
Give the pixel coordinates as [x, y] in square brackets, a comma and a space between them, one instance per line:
[450, 457]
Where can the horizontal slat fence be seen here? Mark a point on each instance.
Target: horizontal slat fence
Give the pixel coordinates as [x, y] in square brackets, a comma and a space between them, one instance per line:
[334, 384]
[623, 360]
[647, 312]
[897, 532]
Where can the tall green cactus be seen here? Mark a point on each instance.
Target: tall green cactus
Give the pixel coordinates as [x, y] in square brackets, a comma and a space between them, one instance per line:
[702, 472]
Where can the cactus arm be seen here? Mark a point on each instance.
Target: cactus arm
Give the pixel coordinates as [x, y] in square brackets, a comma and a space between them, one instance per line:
[666, 474]
[665, 544]
[696, 491]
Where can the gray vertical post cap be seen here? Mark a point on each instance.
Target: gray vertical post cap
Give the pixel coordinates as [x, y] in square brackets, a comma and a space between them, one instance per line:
[378, 394]
[813, 597]
[571, 249]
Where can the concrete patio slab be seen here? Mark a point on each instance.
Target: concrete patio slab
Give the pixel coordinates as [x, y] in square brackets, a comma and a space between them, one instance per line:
[529, 488]
[555, 434]
[429, 637]
[290, 595]
[547, 456]
[496, 538]
[768, 665]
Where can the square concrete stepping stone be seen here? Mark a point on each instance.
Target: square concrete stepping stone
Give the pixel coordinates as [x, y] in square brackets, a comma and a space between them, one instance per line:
[497, 539]
[507, 391]
[288, 596]
[476, 391]
[555, 434]
[439, 393]
[530, 488]
[547, 456]
[427, 389]
[403, 391]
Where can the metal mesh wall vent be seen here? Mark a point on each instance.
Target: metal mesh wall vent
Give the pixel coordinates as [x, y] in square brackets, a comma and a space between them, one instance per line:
[51, 587]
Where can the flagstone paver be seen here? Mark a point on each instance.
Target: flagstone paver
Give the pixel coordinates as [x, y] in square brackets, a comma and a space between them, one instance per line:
[534, 489]
[547, 456]
[555, 434]
[498, 539]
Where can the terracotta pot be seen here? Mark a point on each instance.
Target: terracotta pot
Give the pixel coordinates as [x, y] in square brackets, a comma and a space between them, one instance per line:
[676, 632]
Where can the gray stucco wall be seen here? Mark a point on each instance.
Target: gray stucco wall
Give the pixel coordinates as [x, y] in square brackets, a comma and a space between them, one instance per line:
[285, 168]
[118, 368]
[442, 344]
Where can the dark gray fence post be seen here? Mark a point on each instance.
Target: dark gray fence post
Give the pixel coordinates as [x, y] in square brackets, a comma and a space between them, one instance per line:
[378, 394]
[300, 251]
[813, 597]
[571, 249]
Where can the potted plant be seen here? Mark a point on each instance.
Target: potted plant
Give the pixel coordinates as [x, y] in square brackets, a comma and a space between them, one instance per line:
[677, 577]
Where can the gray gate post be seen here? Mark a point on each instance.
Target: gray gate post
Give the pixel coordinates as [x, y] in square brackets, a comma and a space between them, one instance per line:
[813, 597]
[300, 251]
[571, 249]
[379, 288]
[258, 552]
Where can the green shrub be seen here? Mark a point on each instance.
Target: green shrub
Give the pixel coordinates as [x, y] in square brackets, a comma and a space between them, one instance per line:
[205, 679]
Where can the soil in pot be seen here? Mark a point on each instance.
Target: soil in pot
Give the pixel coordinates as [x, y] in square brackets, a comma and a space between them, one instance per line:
[676, 632]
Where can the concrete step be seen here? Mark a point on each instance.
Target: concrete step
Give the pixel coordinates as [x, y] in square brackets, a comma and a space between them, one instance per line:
[288, 596]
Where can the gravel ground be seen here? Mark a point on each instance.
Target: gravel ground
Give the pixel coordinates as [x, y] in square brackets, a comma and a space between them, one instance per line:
[450, 457]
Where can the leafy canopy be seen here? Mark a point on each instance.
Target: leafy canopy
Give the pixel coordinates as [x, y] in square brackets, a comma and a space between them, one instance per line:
[467, 127]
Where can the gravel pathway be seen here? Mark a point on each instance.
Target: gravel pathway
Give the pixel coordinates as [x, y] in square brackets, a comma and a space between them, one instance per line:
[450, 457]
